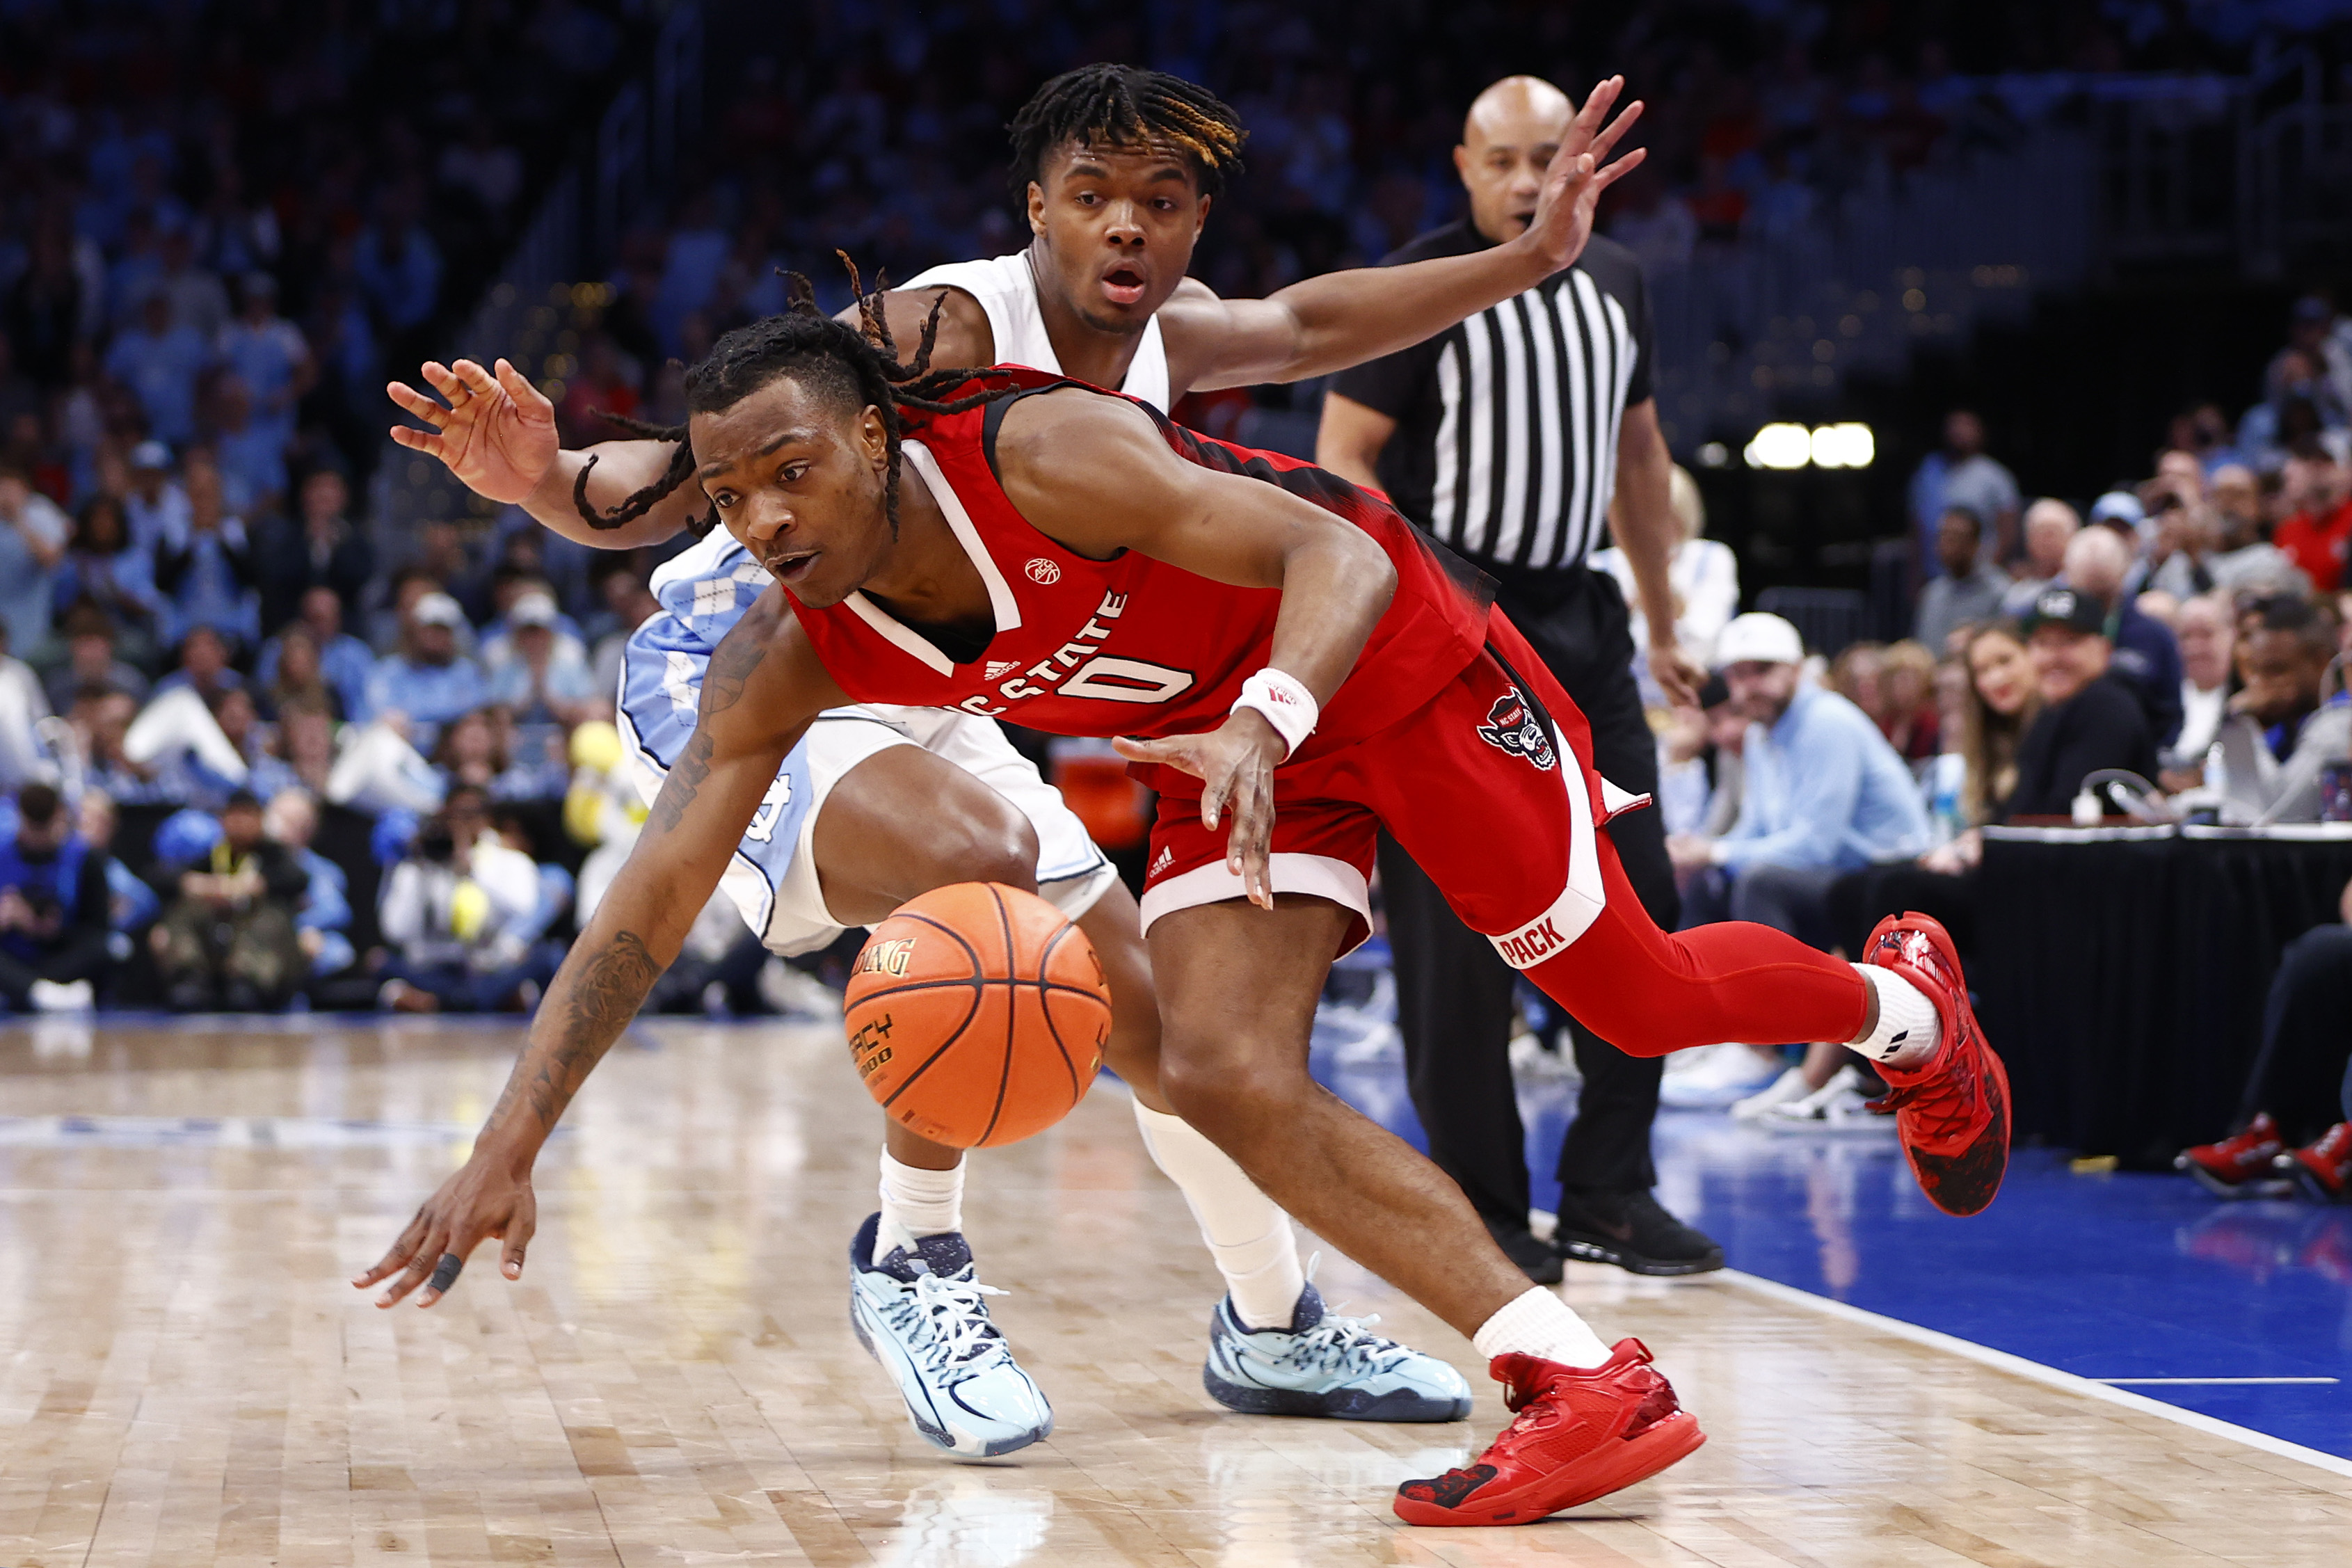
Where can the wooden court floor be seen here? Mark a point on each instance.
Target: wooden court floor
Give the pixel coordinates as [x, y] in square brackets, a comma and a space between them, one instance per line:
[185, 1378]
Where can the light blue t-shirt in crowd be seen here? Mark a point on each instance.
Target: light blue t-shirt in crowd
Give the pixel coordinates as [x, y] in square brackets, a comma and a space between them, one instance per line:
[26, 585]
[1823, 789]
[431, 695]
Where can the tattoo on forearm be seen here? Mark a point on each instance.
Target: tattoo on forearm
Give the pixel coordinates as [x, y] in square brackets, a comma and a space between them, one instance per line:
[686, 777]
[731, 664]
[598, 1005]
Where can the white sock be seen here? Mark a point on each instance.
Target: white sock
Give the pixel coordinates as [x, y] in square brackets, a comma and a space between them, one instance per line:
[916, 1203]
[1906, 1033]
[1247, 1231]
[1539, 1323]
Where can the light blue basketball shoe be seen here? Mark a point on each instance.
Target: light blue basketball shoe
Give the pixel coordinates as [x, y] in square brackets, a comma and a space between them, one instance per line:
[923, 1316]
[1323, 1364]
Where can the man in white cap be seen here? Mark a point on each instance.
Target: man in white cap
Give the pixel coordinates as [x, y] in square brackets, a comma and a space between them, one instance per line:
[1823, 793]
[427, 681]
[540, 674]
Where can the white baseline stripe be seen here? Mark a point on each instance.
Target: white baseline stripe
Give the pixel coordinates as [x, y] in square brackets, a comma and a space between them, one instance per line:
[2001, 1361]
[2207, 1382]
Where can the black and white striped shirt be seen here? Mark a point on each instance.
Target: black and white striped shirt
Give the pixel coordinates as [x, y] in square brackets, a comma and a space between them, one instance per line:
[1506, 448]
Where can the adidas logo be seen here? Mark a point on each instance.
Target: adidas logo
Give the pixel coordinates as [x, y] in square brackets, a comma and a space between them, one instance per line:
[997, 666]
[1160, 862]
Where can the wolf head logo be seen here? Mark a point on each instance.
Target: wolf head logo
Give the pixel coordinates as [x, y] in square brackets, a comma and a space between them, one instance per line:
[1512, 726]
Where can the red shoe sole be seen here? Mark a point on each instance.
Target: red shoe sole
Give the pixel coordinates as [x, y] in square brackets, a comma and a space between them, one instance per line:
[1611, 1470]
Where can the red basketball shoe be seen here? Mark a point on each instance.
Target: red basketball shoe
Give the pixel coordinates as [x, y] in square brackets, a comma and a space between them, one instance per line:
[1953, 1113]
[2325, 1170]
[2238, 1166]
[1582, 1433]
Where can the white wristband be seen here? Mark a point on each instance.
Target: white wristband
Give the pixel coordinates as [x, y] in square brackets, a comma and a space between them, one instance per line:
[1284, 703]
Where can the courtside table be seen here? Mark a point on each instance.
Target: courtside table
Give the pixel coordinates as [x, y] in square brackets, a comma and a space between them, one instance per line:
[2122, 971]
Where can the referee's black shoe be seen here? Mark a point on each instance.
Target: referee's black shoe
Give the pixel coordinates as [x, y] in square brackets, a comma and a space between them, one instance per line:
[1534, 1257]
[1632, 1231]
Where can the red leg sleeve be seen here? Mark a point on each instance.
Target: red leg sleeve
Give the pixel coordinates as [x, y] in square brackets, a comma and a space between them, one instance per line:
[1648, 991]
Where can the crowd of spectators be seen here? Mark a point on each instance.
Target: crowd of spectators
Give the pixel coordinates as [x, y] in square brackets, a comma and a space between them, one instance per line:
[2175, 648]
[886, 140]
[220, 225]
[366, 805]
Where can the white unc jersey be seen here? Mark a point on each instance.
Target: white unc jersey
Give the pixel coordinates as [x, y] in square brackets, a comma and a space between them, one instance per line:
[1006, 289]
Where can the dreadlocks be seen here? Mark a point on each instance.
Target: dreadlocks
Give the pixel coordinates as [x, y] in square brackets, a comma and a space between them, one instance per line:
[1127, 106]
[857, 365]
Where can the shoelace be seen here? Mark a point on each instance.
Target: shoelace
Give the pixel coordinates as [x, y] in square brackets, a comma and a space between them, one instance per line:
[1344, 1343]
[947, 1326]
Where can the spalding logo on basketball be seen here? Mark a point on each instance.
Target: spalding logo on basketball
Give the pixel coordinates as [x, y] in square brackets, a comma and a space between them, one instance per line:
[1044, 570]
[977, 1014]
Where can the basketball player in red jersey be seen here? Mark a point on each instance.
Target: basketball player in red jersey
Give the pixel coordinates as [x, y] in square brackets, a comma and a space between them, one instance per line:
[1119, 167]
[1301, 670]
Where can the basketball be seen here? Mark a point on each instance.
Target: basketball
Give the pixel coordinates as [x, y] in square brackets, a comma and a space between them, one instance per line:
[977, 1014]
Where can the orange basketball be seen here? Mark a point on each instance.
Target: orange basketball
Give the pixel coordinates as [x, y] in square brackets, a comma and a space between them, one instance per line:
[977, 1014]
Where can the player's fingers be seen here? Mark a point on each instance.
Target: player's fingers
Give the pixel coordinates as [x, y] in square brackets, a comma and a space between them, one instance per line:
[447, 1267]
[520, 388]
[414, 402]
[416, 440]
[520, 1230]
[419, 1266]
[398, 1254]
[445, 380]
[1174, 754]
[477, 380]
[1214, 799]
[1236, 794]
[1253, 829]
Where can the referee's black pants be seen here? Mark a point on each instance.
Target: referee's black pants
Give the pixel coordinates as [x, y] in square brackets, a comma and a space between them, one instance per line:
[1453, 992]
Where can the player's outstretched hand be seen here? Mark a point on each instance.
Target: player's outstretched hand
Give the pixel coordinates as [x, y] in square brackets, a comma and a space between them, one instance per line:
[1579, 172]
[495, 432]
[1236, 761]
[484, 1198]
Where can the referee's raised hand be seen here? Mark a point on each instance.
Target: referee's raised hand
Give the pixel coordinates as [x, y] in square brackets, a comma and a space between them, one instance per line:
[1579, 173]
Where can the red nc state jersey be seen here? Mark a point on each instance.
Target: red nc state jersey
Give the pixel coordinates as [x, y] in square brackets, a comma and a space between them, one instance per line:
[1134, 645]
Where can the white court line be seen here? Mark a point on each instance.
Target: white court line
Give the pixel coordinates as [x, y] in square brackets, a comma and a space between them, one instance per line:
[2204, 1382]
[2018, 1365]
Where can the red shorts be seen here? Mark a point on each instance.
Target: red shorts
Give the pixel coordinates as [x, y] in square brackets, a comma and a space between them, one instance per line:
[1471, 785]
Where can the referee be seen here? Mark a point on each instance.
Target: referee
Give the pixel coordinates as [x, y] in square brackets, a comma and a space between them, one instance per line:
[1506, 437]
